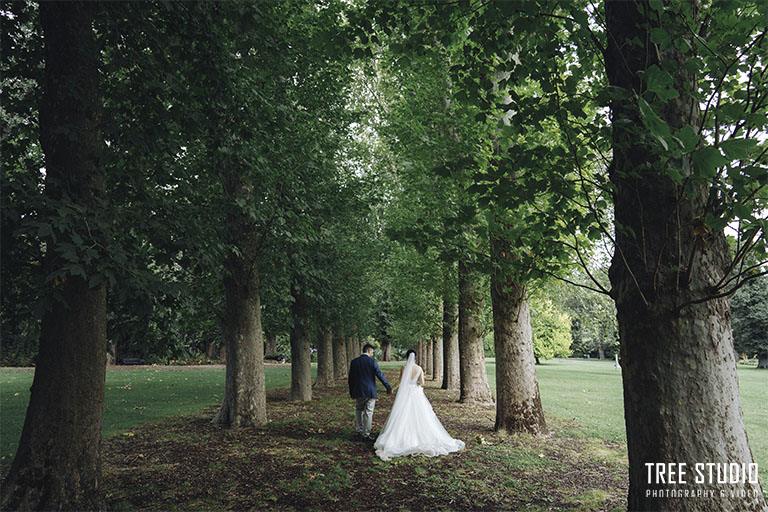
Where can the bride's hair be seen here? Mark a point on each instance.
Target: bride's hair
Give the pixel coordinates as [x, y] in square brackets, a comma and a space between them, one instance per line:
[410, 351]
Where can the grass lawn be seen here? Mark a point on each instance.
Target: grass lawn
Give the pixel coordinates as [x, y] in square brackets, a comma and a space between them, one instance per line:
[133, 397]
[585, 395]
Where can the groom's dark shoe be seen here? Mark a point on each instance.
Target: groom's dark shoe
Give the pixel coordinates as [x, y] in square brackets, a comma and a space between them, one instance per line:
[368, 438]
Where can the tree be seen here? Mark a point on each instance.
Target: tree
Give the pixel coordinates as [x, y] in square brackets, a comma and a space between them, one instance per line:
[58, 462]
[551, 330]
[450, 341]
[670, 253]
[750, 320]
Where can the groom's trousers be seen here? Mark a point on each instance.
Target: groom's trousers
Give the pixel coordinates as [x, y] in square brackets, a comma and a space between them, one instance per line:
[364, 415]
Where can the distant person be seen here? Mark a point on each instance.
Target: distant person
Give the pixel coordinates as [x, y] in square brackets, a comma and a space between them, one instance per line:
[412, 427]
[363, 372]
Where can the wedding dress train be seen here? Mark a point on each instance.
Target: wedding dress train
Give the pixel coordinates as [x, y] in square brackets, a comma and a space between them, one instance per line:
[412, 427]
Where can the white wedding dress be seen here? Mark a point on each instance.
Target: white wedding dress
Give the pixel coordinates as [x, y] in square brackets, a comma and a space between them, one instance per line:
[412, 427]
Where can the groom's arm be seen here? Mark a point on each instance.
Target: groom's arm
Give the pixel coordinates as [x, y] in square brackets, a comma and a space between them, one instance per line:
[381, 377]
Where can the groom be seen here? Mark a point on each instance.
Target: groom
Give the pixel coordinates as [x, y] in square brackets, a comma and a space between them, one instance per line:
[363, 372]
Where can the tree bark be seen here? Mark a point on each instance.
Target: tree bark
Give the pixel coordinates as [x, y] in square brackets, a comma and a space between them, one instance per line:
[473, 378]
[600, 353]
[356, 348]
[450, 343]
[386, 350]
[350, 346]
[325, 359]
[112, 354]
[58, 461]
[339, 356]
[679, 372]
[429, 344]
[518, 402]
[437, 361]
[301, 365]
[245, 402]
[271, 343]
[762, 361]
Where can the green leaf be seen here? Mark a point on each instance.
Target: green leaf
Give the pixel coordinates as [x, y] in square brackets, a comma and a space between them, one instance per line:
[738, 149]
[654, 123]
[688, 139]
[706, 161]
[661, 83]
[661, 37]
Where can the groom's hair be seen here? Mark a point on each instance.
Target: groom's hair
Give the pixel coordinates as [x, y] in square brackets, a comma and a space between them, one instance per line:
[410, 351]
[367, 347]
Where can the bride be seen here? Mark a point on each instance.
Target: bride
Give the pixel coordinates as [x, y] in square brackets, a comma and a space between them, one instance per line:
[412, 427]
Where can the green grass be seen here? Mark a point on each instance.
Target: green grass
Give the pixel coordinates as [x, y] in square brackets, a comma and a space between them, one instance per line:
[587, 392]
[132, 397]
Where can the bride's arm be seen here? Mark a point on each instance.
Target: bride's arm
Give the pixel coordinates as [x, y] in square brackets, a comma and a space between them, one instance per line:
[421, 376]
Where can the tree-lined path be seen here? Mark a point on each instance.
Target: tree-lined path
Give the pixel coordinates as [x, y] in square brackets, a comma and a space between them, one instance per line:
[236, 182]
[305, 458]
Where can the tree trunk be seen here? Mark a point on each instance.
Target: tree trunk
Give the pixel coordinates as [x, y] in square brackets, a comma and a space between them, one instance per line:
[271, 344]
[58, 461]
[245, 402]
[473, 378]
[430, 355]
[518, 402]
[386, 350]
[301, 365]
[223, 353]
[679, 372]
[356, 349]
[437, 361]
[451, 379]
[339, 356]
[762, 361]
[600, 352]
[210, 349]
[325, 359]
[537, 359]
[350, 346]
[112, 353]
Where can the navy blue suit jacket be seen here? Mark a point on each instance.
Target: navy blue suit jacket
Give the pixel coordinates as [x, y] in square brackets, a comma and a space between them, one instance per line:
[363, 372]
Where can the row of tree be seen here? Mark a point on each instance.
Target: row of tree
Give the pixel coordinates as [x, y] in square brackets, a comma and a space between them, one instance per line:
[382, 169]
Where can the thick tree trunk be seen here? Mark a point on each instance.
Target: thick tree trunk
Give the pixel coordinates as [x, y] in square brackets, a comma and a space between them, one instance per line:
[762, 361]
[451, 379]
[245, 402]
[681, 394]
[325, 359]
[270, 346]
[429, 353]
[339, 357]
[386, 350]
[301, 365]
[518, 402]
[437, 361]
[600, 353]
[58, 461]
[473, 378]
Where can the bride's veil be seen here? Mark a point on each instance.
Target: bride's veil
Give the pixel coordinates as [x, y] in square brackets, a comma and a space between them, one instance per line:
[408, 376]
[407, 386]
